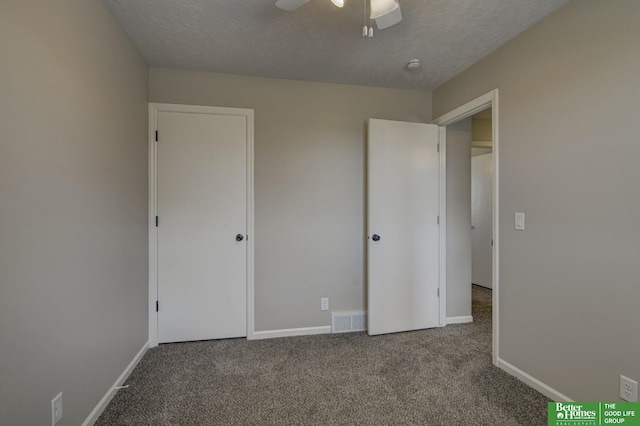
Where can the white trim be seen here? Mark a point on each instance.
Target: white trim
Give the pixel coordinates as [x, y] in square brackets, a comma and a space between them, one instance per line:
[459, 320]
[488, 100]
[153, 232]
[443, 227]
[541, 387]
[106, 399]
[289, 332]
[154, 108]
[250, 228]
[495, 285]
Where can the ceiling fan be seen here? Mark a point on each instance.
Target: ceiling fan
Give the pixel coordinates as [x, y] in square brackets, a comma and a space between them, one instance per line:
[385, 12]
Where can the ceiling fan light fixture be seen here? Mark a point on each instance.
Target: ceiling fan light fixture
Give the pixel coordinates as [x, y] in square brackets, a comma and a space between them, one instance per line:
[390, 19]
[382, 7]
[338, 3]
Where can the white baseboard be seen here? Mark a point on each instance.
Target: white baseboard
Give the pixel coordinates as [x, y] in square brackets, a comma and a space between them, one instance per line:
[459, 320]
[289, 332]
[543, 388]
[106, 399]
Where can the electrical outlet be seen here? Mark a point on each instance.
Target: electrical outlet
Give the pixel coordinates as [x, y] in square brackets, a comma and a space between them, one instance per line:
[628, 389]
[324, 304]
[56, 409]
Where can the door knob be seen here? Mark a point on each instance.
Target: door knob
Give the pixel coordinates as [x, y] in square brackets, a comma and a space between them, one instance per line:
[239, 237]
[375, 237]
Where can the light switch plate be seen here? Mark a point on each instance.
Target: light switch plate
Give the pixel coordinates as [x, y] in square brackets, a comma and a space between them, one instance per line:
[519, 220]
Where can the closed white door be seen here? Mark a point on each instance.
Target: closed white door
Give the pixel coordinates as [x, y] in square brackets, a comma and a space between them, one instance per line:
[403, 244]
[202, 222]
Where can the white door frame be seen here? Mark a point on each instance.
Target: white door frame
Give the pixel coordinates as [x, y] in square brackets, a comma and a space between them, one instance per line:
[488, 100]
[154, 109]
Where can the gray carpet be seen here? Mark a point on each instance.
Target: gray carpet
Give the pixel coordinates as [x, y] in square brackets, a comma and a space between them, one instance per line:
[430, 377]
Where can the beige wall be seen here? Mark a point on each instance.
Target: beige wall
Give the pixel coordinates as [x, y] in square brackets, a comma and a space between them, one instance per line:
[459, 219]
[309, 183]
[569, 158]
[73, 207]
[481, 130]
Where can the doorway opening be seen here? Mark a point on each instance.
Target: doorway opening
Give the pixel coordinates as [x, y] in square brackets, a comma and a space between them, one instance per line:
[485, 102]
[481, 198]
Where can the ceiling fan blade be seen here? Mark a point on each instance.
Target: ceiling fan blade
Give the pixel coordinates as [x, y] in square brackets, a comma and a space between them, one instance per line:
[389, 19]
[382, 7]
[290, 4]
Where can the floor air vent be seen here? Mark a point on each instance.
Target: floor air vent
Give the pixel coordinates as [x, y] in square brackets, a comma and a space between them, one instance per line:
[345, 322]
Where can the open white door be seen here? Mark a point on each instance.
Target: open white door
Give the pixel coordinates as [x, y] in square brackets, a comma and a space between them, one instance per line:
[403, 236]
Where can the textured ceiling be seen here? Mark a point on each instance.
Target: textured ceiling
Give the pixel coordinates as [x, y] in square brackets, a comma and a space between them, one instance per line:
[320, 42]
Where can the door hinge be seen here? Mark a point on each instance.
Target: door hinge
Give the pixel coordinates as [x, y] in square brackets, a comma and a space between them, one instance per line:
[438, 147]
[438, 292]
[157, 306]
[492, 242]
[438, 220]
[156, 136]
[156, 220]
